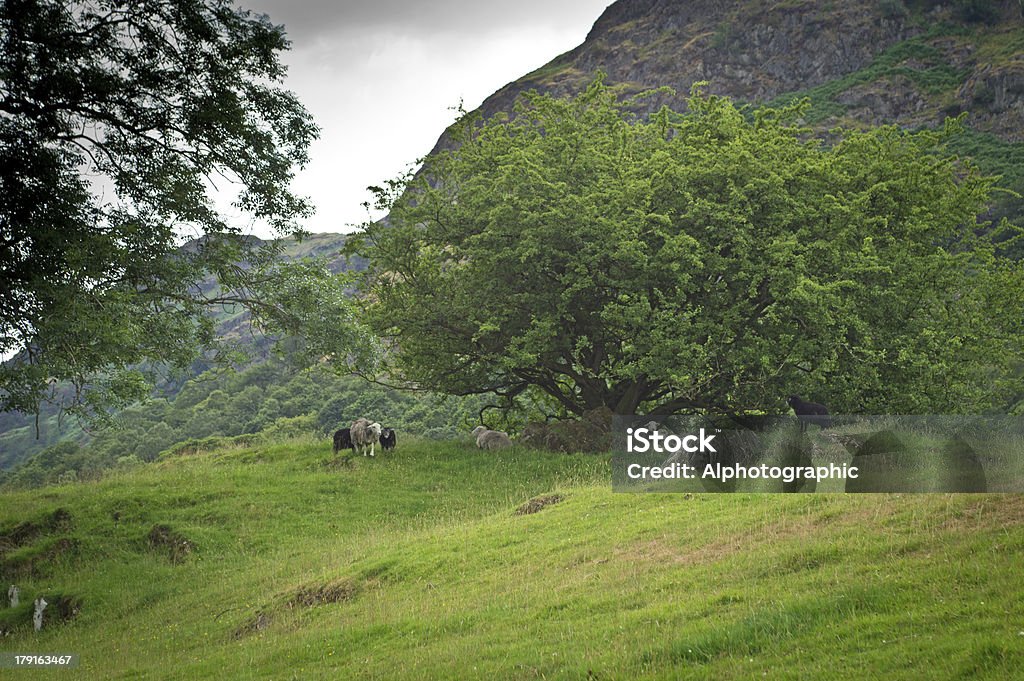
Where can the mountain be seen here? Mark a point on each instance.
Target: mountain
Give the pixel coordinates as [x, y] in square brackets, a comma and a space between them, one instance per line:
[860, 63]
[871, 62]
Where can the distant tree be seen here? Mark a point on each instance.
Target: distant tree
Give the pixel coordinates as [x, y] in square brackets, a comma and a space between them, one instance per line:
[719, 259]
[156, 439]
[119, 124]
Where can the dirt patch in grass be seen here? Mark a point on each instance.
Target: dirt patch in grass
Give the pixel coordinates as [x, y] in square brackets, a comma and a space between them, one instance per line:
[341, 462]
[176, 546]
[59, 520]
[62, 608]
[19, 535]
[539, 504]
[63, 547]
[320, 594]
[258, 623]
[308, 596]
[27, 531]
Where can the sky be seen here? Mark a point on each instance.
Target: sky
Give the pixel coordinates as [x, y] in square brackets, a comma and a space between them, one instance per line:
[381, 78]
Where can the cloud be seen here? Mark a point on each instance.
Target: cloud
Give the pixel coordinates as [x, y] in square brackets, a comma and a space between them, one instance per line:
[310, 19]
[381, 76]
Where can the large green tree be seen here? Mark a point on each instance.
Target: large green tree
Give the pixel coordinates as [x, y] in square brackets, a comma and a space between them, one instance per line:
[121, 122]
[719, 260]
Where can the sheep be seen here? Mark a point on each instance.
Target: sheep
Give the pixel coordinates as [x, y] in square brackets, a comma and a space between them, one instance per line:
[490, 439]
[365, 434]
[388, 439]
[343, 440]
[809, 412]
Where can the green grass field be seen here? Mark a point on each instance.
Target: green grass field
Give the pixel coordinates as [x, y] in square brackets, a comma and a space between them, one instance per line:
[415, 566]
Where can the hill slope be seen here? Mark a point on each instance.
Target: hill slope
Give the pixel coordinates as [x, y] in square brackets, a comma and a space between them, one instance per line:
[276, 562]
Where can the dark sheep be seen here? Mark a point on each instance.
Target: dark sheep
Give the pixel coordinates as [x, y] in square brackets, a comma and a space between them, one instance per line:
[388, 439]
[343, 440]
[809, 412]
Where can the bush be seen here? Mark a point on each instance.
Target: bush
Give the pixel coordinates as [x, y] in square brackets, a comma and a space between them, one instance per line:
[285, 428]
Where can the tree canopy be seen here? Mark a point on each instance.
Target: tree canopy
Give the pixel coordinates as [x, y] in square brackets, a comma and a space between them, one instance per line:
[714, 260]
[120, 125]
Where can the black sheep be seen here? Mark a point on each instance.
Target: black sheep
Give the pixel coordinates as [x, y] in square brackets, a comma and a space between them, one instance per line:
[388, 439]
[809, 412]
[343, 440]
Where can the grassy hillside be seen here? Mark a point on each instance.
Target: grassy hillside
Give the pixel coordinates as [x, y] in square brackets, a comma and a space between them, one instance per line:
[278, 562]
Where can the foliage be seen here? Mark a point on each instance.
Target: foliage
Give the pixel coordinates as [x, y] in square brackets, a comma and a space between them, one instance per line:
[311, 309]
[1004, 159]
[121, 123]
[706, 261]
[892, 9]
[21, 434]
[977, 11]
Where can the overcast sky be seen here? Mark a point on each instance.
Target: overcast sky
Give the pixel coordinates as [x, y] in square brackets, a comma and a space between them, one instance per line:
[380, 78]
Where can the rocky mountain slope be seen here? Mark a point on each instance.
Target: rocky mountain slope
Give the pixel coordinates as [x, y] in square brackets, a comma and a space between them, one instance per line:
[861, 62]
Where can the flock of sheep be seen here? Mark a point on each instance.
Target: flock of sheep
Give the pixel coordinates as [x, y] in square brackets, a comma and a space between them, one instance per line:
[364, 435]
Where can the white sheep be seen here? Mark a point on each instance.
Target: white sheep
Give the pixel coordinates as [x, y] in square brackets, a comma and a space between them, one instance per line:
[364, 434]
[491, 439]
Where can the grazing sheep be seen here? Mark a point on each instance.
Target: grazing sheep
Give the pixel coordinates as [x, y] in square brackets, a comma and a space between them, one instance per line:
[490, 439]
[365, 434]
[388, 439]
[343, 440]
[809, 412]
